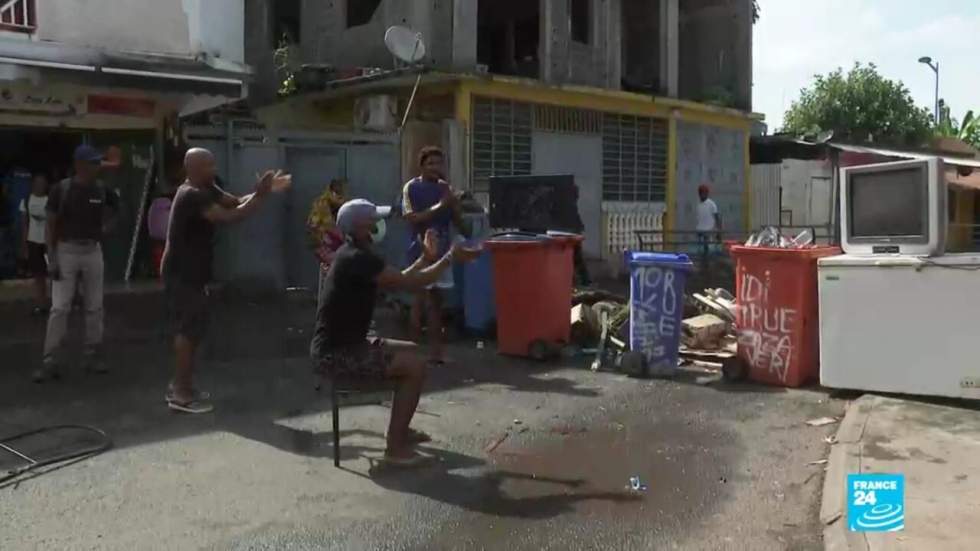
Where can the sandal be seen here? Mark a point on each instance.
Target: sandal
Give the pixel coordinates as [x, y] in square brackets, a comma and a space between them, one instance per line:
[199, 395]
[416, 437]
[193, 407]
[414, 461]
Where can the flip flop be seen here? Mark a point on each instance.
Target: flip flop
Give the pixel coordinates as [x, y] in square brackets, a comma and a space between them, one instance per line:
[193, 407]
[202, 395]
[416, 437]
[414, 461]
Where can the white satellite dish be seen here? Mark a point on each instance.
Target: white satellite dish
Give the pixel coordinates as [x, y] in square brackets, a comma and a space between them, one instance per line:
[405, 44]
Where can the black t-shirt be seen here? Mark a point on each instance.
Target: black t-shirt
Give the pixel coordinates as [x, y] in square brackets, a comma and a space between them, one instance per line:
[85, 211]
[347, 299]
[188, 255]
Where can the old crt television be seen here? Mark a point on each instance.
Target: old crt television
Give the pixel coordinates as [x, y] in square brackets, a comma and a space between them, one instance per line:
[894, 208]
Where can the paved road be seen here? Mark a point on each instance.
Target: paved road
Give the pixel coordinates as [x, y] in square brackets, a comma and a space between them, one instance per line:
[726, 467]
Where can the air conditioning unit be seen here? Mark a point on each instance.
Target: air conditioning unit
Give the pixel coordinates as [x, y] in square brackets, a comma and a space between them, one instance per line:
[376, 113]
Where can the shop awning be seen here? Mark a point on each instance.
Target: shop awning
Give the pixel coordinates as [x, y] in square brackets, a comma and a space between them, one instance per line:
[162, 73]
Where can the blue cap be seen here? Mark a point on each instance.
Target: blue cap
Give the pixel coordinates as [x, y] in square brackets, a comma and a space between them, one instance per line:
[356, 210]
[88, 154]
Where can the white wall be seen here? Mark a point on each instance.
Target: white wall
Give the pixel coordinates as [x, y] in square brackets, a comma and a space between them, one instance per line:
[217, 27]
[173, 27]
[806, 189]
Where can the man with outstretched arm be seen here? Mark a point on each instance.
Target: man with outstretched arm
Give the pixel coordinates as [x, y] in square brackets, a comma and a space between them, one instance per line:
[341, 348]
[198, 207]
[429, 202]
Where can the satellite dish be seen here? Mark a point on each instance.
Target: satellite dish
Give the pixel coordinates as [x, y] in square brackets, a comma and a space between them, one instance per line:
[825, 136]
[405, 44]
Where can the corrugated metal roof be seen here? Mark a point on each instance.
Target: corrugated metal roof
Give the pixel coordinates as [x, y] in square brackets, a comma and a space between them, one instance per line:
[949, 160]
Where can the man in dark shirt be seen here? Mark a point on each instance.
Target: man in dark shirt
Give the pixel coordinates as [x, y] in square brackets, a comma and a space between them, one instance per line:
[341, 347]
[80, 209]
[198, 206]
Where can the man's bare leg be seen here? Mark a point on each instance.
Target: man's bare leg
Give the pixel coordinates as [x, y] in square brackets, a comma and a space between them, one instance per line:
[184, 372]
[436, 337]
[415, 316]
[409, 370]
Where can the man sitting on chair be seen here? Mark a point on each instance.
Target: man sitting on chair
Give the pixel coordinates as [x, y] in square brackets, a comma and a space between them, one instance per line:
[341, 347]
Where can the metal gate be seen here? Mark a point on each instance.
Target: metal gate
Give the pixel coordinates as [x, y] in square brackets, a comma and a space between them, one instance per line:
[271, 250]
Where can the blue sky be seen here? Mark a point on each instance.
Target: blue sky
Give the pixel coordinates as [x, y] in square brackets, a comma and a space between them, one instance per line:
[796, 39]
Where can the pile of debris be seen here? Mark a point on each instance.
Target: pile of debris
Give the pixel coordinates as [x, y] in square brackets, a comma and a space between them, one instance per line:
[771, 237]
[709, 339]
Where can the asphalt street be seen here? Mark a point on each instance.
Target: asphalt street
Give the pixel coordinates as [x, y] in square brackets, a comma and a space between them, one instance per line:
[529, 456]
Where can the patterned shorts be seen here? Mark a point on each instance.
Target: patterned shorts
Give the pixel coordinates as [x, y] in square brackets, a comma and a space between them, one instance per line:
[367, 362]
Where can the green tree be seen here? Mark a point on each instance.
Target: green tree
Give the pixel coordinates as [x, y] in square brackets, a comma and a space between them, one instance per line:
[968, 130]
[860, 106]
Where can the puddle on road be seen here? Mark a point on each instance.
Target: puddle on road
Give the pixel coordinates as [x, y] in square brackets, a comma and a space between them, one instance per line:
[592, 469]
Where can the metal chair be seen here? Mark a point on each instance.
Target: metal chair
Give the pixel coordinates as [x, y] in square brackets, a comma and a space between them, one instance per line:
[350, 391]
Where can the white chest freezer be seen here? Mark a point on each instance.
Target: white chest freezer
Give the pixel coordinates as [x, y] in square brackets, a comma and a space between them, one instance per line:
[901, 324]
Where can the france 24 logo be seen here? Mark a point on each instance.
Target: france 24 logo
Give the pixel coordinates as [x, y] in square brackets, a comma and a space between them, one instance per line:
[876, 502]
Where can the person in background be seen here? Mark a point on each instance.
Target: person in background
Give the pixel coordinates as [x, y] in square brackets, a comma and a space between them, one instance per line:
[321, 224]
[430, 203]
[198, 207]
[341, 347]
[709, 219]
[80, 210]
[33, 249]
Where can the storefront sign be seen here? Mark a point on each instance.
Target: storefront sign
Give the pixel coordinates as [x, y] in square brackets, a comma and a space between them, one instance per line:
[36, 101]
[119, 105]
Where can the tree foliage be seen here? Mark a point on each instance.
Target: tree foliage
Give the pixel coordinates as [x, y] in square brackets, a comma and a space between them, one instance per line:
[968, 130]
[859, 106]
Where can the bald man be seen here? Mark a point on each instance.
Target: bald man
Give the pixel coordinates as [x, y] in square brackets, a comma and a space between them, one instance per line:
[198, 207]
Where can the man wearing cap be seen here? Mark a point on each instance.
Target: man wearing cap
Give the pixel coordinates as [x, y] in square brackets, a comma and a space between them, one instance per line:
[341, 347]
[198, 206]
[709, 220]
[80, 210]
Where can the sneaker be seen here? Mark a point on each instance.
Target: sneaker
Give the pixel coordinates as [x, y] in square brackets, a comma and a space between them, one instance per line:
[95, 363]
[47, 371]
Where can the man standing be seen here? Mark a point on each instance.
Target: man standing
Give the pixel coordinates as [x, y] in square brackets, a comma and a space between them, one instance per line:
[198, 206]
[430, 203]
[341, 347]
[709, 220]
[80, 209]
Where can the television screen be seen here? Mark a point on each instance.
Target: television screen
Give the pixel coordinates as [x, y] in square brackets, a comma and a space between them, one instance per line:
[535, 203]
[889, 203]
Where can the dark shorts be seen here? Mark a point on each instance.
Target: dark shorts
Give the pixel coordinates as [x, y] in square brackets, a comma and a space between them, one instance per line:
[189, 310]
[367, 362]
[36, 263]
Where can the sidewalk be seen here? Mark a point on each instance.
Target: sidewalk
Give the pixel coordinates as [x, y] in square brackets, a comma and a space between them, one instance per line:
[936, 447]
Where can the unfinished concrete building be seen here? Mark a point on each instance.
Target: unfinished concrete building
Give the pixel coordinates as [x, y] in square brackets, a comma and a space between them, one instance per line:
[698, 50]
[640, 100]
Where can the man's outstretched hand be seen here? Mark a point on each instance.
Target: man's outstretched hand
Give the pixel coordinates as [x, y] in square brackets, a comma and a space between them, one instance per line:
[430, 245]
[462, 253]
[273, 182]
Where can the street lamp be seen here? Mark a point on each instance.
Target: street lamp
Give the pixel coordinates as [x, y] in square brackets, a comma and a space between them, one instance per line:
[935, 68]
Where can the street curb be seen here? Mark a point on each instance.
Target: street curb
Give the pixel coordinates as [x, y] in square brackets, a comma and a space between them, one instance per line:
[845, 458]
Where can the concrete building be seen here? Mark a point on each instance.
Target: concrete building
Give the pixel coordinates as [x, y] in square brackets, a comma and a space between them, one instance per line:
[640, 100]
[108, 73]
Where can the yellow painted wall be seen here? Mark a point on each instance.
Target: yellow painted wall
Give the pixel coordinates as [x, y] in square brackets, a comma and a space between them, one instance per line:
[961, 235]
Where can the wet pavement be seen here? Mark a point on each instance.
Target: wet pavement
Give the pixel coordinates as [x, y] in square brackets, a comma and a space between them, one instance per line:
[530, 456]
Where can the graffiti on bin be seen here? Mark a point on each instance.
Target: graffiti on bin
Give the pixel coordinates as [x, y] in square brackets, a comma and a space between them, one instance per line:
[764, 331]
[654, 311]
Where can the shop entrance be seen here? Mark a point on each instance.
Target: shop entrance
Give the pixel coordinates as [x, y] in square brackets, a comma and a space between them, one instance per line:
[24, 152]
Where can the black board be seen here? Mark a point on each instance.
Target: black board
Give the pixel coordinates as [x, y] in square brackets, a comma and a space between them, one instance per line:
[535, 203]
